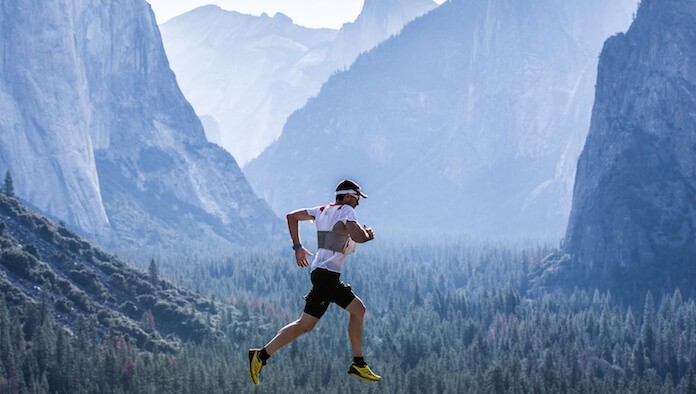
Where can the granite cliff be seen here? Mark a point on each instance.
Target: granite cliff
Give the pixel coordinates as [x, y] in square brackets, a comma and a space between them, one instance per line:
[97, 133]
[633, 221]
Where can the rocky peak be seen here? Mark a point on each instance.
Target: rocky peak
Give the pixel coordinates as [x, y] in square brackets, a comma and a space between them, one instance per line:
[377, 21]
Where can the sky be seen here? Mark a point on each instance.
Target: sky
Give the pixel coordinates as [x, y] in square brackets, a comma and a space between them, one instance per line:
[310, 13]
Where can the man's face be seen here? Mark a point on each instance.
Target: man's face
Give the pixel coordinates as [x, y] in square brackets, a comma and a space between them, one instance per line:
[354, 199]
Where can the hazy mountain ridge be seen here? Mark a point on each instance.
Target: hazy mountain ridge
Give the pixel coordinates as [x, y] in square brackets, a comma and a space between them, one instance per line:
[97, 131]
[378, 19]
[43, 262]
[474, 114]
[633, 222]
[249, 73]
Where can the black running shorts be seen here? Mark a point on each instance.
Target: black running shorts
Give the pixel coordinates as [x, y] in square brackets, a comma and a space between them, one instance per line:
[327, 288]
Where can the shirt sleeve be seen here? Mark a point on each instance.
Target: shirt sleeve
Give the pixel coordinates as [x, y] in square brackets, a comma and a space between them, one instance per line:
[314, 212]
[348, 214]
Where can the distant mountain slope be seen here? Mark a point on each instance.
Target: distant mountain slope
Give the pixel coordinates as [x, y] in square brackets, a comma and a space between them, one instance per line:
[97, 133]
[247, 74]
[378, 20]
[468, 121]
[42, 262]
[633, 223]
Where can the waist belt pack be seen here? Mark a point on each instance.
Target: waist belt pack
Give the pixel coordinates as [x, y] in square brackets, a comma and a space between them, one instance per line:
[337, 240]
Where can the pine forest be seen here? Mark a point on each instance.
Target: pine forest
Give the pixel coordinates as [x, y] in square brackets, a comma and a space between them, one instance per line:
[442, 317]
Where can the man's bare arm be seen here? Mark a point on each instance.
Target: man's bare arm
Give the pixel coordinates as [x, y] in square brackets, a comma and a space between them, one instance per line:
[294, 219]
[359, 234]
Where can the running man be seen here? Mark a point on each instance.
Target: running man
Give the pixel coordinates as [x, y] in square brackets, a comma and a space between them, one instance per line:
[337, 232]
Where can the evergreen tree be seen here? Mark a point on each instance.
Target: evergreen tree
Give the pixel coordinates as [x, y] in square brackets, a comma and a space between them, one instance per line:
[9, 184]
[417, 298]
[5, 342]
[153, 269]
[147, 322]
[495, 380]
[639, 360]
[688, 384]
[649, 328]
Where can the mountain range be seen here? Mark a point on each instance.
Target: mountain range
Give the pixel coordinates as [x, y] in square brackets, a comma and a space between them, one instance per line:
[244, 74]
[467, 122]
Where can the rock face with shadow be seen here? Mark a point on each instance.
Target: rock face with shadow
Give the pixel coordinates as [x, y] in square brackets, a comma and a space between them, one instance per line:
[633, 221]
[96, 132]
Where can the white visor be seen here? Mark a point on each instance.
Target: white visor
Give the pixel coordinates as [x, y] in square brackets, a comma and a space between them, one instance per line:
[351, 191]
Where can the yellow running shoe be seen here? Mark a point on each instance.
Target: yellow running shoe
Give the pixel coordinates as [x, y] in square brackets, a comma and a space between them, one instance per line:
[363, 373]
[255, 364]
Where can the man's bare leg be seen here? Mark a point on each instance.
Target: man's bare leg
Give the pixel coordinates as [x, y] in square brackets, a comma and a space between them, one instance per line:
[358, 368]
[291, 332]
[356, 308]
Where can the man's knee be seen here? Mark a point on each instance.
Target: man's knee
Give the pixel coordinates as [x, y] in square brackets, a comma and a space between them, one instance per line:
[357, 308]
[362, 310]
[306, 325]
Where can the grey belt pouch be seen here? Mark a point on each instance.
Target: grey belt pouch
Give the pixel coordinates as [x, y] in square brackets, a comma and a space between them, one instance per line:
[335, 240]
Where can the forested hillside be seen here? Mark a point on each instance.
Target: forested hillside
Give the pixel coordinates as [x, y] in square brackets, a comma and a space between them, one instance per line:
[46, 267]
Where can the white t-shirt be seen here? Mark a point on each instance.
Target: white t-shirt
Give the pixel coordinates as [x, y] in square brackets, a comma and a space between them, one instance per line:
[325, 218]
